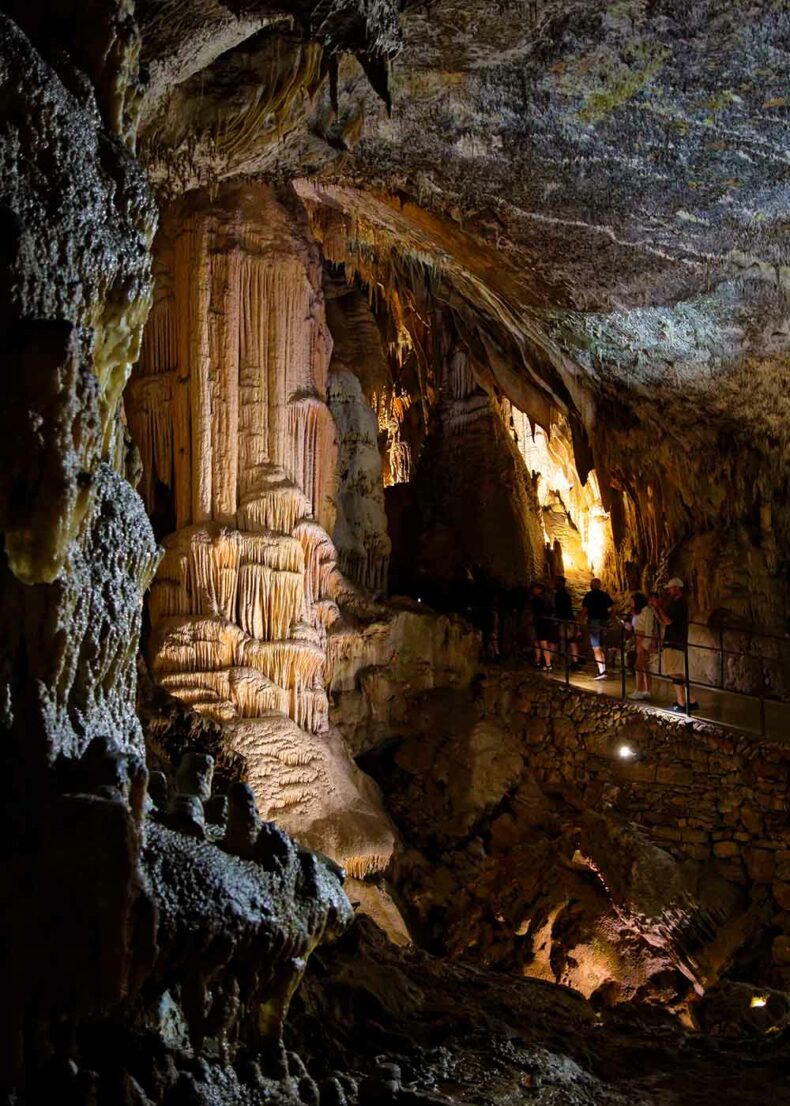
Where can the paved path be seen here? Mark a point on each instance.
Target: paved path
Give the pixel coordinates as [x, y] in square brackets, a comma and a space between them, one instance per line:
[738, 712]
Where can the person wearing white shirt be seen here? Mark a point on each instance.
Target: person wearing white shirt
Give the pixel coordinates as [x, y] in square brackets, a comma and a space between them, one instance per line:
[645, 626]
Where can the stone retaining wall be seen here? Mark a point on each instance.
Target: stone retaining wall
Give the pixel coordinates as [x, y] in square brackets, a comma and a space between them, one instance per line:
[698, 791]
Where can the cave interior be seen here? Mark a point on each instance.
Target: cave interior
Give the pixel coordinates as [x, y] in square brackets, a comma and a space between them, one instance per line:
[335, 330]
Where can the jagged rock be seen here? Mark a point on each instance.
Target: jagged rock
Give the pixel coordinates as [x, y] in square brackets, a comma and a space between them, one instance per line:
[216, 810]
[308, 1091]
[158, 789]
[273, 846]
[185, 814]
[332, 1093]
[296, 1066]
[194, 775]
[243, 823]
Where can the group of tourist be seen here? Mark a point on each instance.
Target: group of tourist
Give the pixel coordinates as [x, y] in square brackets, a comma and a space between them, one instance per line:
[557, 631]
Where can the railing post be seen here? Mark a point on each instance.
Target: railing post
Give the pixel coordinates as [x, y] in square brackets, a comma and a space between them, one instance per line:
[567, 660]
[687, 683]
[721, 657]
[622, 661]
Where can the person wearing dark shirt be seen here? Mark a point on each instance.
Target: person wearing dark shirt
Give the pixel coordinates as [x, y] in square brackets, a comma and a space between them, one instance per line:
[542, 625]
[673, 612]
[563, 611]
[596, 607]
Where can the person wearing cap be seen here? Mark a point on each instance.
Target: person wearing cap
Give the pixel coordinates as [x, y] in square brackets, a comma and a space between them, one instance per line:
[673, 612]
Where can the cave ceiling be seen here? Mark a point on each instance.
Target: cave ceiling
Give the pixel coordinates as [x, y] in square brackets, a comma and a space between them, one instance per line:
[628, 160]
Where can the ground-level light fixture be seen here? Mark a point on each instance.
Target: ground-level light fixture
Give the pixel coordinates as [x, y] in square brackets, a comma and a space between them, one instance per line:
[758, 1000]
[625, 752]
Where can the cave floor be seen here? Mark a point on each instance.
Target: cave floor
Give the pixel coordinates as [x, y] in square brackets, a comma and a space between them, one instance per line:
[723, 708]
[468, 1036]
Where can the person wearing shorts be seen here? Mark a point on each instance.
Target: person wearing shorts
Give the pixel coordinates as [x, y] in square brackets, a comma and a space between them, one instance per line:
[645, 628]
[543, 626]
[673, 613]
[596, 608]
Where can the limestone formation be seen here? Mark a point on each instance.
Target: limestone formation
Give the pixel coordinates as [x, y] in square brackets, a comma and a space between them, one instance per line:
[229, 410]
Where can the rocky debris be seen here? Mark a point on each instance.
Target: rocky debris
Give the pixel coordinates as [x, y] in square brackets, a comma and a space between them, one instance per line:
[414, 1029]
[200, 950]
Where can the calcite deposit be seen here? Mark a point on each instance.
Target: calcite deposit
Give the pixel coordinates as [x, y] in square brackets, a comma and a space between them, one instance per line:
[240, 459]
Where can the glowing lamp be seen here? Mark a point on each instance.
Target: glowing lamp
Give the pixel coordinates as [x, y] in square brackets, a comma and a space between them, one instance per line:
[625, 752]
[758, 1000]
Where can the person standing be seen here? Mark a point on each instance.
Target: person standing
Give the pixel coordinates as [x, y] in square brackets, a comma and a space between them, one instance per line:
[645, 627]
[673, 613]
[596, 608]
[542, 626]
[566, 620]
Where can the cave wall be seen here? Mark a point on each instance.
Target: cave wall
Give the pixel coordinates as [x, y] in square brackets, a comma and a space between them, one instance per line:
[76, 286]
[96, 928]
[476, 503]
[358, 372]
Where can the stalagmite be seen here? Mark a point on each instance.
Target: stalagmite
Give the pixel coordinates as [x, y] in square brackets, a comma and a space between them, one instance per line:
[228, 406]
[311, 787]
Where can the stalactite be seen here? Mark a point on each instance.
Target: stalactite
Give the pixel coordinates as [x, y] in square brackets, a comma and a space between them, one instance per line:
[275, 503]
[459, 376]
[320, 559]
[390, 407]
[551, 457]
[150, 421]
[224, 382]
[269, 601]
[312, 458]
[196, 645]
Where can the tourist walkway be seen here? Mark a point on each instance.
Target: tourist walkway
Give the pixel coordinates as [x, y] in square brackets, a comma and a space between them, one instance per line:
[716, 672]
[744, 713]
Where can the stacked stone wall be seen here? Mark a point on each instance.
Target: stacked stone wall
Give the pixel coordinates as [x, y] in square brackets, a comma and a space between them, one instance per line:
[698, 791]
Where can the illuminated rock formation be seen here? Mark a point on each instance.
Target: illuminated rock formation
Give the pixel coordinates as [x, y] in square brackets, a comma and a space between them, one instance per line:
[572, 509]
[358, 371]
[228, 407]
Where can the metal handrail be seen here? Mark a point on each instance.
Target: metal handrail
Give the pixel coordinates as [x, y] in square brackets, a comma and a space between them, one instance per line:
[626, 631]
